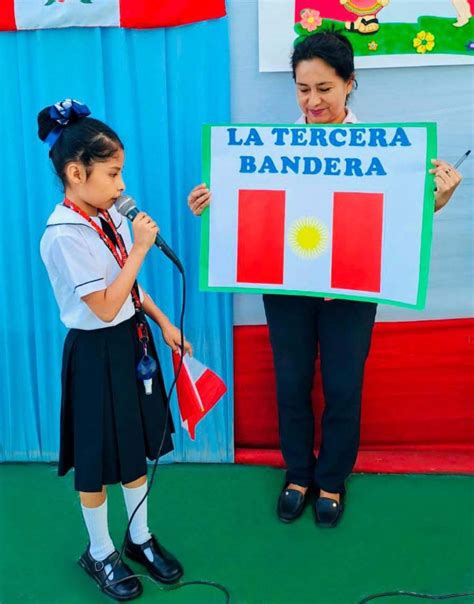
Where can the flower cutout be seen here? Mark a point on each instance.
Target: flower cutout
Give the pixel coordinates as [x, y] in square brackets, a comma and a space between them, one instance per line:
[424, 42]
[310, 19]
[470, 45]
[373, 45]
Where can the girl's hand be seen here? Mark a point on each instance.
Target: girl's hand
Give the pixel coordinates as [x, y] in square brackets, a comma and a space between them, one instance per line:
[199, 199]
[172, 336]
[446, 181]
[145, 231]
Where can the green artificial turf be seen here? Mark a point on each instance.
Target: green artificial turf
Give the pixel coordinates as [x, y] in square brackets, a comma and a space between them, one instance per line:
[412, 532]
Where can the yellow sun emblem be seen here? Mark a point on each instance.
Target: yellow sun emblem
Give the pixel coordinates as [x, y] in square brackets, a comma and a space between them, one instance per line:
[308, 237]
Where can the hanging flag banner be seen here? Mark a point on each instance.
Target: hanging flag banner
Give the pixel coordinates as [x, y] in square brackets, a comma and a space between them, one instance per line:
[198, 389]
[339, 211]
[384, 33]
[140, 14]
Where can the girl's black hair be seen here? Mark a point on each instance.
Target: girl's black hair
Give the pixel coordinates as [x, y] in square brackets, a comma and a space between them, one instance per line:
[330, 46]
[83, 139]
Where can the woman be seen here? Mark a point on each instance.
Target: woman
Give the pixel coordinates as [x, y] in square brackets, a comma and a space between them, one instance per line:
[323, 70]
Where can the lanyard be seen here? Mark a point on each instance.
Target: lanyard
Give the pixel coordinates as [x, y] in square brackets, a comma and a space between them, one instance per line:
[120, 256]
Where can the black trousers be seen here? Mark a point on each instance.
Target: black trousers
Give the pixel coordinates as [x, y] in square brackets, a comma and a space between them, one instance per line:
[343, 331]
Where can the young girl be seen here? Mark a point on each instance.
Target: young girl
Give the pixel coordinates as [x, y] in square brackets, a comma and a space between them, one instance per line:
[110, 423]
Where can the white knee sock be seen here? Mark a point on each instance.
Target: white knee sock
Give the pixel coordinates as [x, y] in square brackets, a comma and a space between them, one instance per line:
[139, 532]
[98, 529]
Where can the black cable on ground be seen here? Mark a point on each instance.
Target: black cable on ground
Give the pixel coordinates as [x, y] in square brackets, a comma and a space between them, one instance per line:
[414, 594]
[180, 584]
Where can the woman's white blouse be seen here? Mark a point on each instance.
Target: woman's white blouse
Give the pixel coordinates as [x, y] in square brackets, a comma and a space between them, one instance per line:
[349, 119]
[79, 263]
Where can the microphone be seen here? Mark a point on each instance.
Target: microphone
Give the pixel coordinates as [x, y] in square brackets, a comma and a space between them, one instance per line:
[126, 206]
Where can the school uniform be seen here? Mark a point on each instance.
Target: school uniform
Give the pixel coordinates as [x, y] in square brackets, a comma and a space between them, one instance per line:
[109, 426]
[342, 329]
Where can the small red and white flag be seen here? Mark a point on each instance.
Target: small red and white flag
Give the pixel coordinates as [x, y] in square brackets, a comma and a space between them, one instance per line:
[199, 389]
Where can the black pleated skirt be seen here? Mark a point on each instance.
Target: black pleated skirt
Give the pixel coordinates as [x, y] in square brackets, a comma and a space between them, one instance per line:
[109, 426]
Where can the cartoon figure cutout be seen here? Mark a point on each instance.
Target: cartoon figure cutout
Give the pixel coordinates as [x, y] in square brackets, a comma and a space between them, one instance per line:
[357, 15]
[365, 15]
[464, 10]
[361, 16]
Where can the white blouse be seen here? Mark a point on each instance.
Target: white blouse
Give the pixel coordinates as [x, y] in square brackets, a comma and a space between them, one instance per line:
[79, 263]
[349, 119]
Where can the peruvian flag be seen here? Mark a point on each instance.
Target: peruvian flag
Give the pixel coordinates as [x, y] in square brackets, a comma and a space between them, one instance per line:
[45, 14]
[199, 389]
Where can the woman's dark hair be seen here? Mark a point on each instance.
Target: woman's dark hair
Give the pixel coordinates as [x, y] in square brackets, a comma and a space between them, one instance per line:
[84, 139]
[330, 46]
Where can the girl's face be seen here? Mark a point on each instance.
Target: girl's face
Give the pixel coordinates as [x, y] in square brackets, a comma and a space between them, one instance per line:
[321, 92]
[100, 189]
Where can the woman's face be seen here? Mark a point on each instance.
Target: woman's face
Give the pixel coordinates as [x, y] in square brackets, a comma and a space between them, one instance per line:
[321, 92]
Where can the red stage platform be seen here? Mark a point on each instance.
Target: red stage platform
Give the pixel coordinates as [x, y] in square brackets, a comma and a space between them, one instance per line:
[417, 410]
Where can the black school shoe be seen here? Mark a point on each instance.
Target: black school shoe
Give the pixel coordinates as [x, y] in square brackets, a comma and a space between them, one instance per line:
[164, 567]
[127, 589]
[327, 512]
[291, 504]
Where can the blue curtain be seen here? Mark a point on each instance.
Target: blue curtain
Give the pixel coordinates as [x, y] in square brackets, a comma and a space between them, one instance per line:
[155, 88]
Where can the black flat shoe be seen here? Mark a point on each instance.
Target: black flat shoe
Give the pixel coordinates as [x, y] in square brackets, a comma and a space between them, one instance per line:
[328, 512]
[127, 589]
[291, 504]
[163, 567]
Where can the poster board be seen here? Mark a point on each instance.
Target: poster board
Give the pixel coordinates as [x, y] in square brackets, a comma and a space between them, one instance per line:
[341, 211]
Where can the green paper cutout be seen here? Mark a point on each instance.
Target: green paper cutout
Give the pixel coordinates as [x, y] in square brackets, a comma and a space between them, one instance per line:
[397, 38]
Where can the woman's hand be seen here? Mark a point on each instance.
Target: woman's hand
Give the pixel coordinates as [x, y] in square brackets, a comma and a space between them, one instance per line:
[145, 231]
[447, 178]
[172, 336]
[199, 199]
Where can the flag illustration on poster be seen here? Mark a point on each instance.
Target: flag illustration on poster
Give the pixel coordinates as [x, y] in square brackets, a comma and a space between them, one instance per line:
[198, 389]
[356, 239]
[140, 14]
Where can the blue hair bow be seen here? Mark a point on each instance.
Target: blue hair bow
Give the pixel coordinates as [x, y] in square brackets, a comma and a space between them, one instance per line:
[63, 113]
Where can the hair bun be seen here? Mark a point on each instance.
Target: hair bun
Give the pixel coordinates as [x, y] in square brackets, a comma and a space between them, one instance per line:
[45, 123]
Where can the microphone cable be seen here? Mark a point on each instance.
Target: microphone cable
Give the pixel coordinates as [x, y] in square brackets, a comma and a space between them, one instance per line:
[179, 584]
[414, 594]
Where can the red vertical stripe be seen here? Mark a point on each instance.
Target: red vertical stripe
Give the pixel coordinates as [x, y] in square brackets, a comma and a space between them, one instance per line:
[7, 15]
[357, 241]
[261, 234]
[166, 13]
